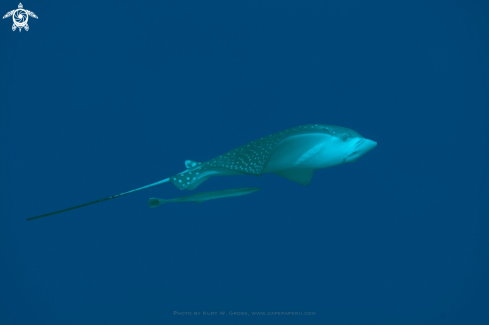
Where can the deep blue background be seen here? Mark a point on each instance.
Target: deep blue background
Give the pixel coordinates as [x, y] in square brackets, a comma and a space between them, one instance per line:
[101, 97]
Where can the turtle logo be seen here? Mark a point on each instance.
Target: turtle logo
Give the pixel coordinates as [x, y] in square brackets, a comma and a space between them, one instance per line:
[20, 17]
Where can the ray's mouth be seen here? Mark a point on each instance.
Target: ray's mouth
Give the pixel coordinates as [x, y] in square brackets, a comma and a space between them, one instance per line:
[350, 155]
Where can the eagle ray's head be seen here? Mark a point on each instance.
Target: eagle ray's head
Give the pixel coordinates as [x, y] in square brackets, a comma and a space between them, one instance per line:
[350, 144]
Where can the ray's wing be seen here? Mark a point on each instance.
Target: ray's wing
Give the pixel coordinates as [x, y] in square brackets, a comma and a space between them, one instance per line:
[30, 13]
[8, 14]
[253, 157]
[250, 158]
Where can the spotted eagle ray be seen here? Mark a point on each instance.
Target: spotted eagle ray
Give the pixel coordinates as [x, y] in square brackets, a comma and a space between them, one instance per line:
[202, 197]
[294, 154]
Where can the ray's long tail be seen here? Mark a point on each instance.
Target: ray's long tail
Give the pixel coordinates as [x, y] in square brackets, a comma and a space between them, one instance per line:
[101, 200]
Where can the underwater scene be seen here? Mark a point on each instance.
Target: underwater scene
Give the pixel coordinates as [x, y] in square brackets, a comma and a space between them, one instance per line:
[329, 161]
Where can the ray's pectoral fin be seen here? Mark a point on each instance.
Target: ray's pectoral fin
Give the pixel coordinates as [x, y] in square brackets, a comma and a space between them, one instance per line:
[302, 176]
[188, 179]
[194, 185]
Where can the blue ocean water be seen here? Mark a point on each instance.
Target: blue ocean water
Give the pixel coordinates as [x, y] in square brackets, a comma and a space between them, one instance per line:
[99, 98]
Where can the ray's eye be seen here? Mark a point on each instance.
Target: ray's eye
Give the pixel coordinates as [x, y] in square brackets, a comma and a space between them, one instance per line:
[344, 137]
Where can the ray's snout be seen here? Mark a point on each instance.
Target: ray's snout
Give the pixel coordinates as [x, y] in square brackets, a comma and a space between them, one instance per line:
[359, 149]
[368, 144]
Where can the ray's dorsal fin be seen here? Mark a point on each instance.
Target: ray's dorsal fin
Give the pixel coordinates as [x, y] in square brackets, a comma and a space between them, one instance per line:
[302, 176]
[191, 163]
